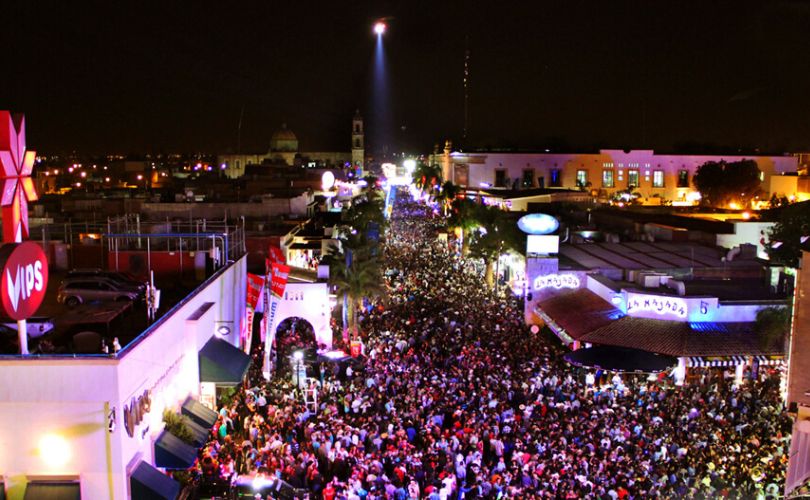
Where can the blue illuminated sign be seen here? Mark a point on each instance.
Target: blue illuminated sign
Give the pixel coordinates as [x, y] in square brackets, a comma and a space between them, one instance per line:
[538, 224]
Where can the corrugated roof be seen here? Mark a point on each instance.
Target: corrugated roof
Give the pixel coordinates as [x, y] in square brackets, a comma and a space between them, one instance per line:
[579, 311]
[679, 338]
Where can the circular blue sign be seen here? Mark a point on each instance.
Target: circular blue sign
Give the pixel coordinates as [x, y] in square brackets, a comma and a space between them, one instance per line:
[538, 224]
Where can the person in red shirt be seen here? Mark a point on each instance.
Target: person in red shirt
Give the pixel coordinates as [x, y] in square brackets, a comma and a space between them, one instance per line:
[329, 492]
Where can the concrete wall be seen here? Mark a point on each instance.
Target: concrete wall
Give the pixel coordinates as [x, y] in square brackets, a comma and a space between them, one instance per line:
[269, 207]
[755, 233]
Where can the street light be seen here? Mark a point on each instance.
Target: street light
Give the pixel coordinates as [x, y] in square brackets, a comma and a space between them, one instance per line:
[379, 28]
[297, 362]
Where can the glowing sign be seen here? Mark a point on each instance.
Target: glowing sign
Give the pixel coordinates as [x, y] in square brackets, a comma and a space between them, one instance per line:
[556, 281]
[16, 164]
[538, 224]
[24, 279]
[665, 306]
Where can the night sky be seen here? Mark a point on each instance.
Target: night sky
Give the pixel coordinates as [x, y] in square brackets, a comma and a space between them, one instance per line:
[143, 77]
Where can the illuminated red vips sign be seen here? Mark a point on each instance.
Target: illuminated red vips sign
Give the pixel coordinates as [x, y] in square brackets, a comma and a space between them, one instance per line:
[24, 279]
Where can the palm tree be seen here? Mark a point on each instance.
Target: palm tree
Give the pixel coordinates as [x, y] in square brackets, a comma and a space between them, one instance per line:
[500, 233]
[355, 273]
[360, 279]
[464, 215]
[445, 195]
[427, 178]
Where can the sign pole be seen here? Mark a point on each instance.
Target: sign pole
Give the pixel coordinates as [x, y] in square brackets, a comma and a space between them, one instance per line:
[22, 324]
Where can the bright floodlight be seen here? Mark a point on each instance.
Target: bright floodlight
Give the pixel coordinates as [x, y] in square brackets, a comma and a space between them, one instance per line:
[410, 165]
[54, 450]
[379, 28]
[327, 180]
[298, 355]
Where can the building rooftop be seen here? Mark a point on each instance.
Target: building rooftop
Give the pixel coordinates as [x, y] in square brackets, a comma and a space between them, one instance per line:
[638, 255]
[680, 338]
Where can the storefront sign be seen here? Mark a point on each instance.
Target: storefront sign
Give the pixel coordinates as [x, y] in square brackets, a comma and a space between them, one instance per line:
[664, 306]
[208, 394]
[24, 279]
[135, 411]
[556, 281]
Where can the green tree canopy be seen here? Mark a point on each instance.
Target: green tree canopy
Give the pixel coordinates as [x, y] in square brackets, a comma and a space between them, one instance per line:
[772, 326]
[721, 183]
[785, 237]
[500, 233]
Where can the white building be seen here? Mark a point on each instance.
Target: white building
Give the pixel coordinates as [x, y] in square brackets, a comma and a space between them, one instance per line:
[656, 177]
[94, 422]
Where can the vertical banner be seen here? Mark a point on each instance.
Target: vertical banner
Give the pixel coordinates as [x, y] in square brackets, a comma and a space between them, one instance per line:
[255, 283]
[274, 290]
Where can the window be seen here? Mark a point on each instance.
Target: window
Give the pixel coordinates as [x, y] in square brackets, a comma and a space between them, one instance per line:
[500, 178]
[632, 178]
[84, 285]
[582, 178]
[555, 177]
[357, 143]
[356, 128]
[683, 178]
[607, 178]
[528, 178]
[658, 178]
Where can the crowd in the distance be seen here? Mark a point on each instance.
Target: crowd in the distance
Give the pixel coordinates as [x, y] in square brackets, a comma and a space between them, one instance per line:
[457, 399]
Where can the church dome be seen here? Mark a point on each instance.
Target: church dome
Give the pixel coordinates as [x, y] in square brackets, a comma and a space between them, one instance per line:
[284, 140]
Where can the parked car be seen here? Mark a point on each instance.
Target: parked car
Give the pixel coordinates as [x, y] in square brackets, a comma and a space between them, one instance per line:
[119, 277]
[37, 326]
[75, 291]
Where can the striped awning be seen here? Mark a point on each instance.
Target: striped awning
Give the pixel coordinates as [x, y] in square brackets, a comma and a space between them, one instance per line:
[769, 360]
[715, 361]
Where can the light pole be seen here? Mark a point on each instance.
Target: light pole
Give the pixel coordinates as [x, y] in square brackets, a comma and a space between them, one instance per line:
[297, 363]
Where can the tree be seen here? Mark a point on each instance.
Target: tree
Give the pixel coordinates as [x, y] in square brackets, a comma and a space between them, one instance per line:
[356, 273]
[367, 207]
[464, 215]
[427, 178]
[772, 326]
[722, 184]
[445, 196]
[360, 279]
[785, 238]
[500, 233]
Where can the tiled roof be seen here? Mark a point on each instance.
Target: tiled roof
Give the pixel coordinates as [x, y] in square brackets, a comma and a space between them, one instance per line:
[679, 338]
[579, 311]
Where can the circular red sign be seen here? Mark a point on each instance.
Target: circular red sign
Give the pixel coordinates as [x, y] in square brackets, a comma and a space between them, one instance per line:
[24, 280]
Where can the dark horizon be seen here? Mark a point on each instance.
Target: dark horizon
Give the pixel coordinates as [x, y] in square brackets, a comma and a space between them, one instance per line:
[580, 76]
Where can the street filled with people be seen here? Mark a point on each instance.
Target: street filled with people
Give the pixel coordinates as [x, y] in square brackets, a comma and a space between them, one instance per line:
[454, 397]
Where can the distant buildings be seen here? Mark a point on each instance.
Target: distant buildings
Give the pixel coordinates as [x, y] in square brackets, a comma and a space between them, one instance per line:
[284, 151]
[658, 178]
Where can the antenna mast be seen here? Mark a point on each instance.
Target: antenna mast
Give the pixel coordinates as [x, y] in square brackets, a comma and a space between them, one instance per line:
[466, 87]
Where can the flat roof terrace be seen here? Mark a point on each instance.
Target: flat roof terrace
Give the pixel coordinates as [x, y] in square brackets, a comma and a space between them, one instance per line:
[658, 256]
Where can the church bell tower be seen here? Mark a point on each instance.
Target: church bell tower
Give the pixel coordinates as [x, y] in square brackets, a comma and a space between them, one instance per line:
[358, 149]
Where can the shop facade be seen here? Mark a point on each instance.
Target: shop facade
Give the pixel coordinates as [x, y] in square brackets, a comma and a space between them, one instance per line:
[96, 421]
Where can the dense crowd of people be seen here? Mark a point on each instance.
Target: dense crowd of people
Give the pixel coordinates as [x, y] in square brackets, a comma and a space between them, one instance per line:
[455, 398]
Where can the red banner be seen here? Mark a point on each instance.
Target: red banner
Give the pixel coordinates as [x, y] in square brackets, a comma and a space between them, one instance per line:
[276, 255]
[254, 289]
[278, 278]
